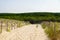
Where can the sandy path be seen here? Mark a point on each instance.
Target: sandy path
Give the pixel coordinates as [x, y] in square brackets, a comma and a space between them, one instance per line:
[29, 32]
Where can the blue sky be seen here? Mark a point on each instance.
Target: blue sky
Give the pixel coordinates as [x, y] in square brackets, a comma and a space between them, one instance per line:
[29, 6]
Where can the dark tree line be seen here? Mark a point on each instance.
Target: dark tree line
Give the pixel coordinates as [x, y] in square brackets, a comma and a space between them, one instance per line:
[32, 17]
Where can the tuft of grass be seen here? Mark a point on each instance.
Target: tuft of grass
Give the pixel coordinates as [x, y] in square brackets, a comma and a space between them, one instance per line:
[8, 29]
[0, 31]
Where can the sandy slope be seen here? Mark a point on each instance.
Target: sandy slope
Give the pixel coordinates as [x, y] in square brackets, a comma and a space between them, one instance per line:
[29, 32]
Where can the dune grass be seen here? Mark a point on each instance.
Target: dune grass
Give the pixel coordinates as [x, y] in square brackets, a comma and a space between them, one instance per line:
[8, 25]
[52, 29]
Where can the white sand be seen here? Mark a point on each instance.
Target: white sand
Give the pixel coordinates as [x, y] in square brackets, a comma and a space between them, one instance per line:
[29, 32]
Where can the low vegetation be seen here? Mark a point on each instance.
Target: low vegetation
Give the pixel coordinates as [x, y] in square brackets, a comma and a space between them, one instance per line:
[8, 25]
[52, 29]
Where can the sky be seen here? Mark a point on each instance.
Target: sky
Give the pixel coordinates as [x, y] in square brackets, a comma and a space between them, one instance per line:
[19, 6]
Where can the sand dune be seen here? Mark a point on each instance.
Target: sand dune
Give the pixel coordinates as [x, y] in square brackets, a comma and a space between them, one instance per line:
[29, 32]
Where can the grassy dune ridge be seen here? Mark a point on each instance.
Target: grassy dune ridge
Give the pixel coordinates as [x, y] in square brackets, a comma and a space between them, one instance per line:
[8, 25]
[52, 29]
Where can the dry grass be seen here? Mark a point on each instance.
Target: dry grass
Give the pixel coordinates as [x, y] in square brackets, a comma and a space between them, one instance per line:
[8, 25]
[52, 29]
